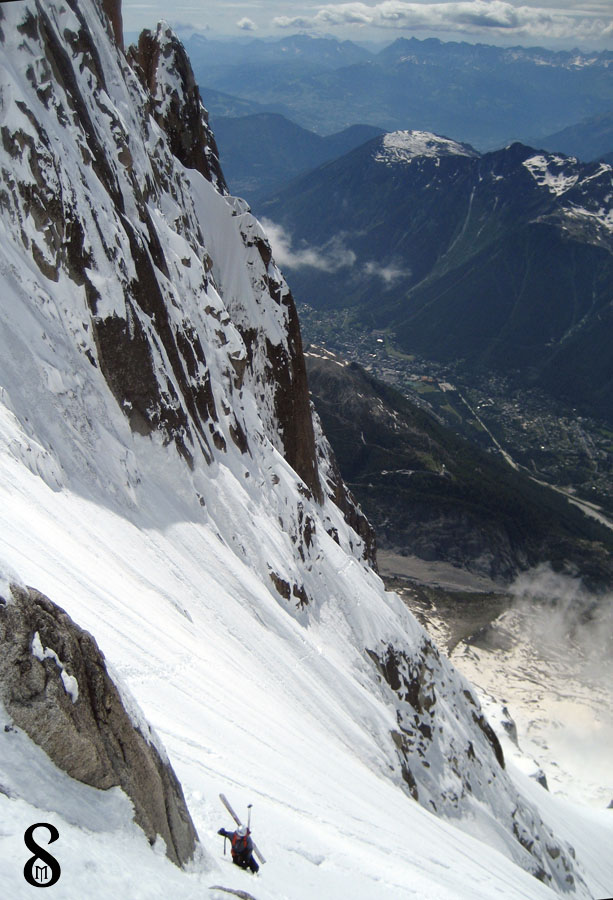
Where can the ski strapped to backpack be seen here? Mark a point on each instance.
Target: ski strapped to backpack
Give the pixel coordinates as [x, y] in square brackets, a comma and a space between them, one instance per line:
[225, 802]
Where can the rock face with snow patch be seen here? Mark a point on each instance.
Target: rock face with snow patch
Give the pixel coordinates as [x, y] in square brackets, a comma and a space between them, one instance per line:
[460, 766]
[108, 238]
[55, 686]
[176, 102]
[166, 73]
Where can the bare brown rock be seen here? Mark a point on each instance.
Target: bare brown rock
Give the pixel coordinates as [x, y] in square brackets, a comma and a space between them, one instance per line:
[55, 686]
[113, 10]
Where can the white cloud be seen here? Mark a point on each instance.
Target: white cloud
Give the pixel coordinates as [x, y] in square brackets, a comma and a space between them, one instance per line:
[388, 274]
[561, 608]
[561, 652]
[331, 257]
[246, 24]
[463, 16]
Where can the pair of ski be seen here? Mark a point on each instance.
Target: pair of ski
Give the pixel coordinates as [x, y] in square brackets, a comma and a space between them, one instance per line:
[225, 802]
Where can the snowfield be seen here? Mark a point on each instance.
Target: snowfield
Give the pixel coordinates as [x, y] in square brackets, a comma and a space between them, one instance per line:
[404, 146]
[254, 705]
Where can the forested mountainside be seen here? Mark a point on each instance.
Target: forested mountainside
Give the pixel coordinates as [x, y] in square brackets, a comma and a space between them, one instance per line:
[432, 493]
[499, 262]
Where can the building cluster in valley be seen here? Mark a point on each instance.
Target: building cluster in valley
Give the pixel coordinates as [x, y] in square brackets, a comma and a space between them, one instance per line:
[553, 443]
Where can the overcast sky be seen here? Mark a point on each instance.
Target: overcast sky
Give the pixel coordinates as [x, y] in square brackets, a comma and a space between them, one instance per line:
[554, 23]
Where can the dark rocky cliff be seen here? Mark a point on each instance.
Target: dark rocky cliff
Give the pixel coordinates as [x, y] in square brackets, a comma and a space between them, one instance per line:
[176, 104]
[162, 63]
[55, 686]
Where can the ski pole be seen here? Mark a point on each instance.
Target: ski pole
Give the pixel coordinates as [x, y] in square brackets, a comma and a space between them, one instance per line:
[225, 802]
[249, 816]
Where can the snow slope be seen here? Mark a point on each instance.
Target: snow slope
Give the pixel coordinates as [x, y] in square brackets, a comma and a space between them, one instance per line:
[145, 487]
[258, 707]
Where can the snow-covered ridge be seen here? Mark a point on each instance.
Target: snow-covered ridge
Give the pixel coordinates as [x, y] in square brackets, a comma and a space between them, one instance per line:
[582, 194]
[601, 217]
[404, 146]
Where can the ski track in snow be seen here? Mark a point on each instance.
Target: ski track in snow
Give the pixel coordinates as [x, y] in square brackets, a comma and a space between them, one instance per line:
[237, 712]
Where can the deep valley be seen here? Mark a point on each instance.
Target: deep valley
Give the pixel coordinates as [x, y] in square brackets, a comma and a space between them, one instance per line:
[540, 433]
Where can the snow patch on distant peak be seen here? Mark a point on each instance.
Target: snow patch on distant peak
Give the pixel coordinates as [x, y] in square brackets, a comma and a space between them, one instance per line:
[602, 216]
[316, 352]
[404, 146]
[552, 172]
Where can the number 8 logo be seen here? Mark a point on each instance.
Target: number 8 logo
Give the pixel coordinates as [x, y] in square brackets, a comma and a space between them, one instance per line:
[42, 869]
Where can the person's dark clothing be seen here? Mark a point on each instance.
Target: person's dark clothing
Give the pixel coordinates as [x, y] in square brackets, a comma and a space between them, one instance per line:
[242, 850]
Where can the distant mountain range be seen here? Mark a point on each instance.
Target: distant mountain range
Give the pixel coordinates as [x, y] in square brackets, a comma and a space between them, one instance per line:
[502, 261]
[590, 139]
[297, 48]
[264, 151]
[486, 95]
[220, 104]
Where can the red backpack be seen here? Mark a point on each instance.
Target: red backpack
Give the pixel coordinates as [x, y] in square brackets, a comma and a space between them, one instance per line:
[240, 844]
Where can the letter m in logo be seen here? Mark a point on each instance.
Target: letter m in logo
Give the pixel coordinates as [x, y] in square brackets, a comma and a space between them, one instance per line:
[41, 873]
